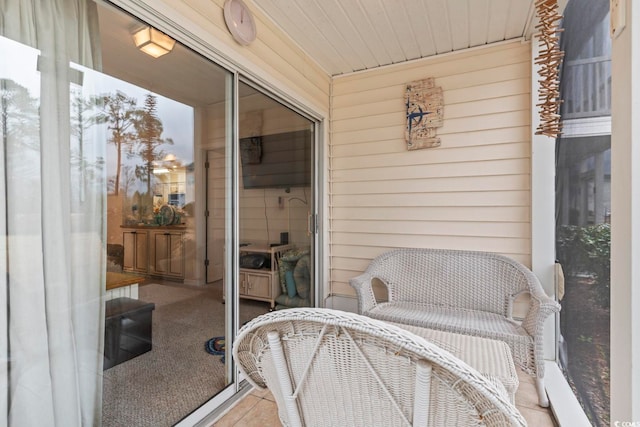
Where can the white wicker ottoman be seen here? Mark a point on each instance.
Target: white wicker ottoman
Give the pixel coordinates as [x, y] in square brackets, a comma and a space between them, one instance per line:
[491, 358]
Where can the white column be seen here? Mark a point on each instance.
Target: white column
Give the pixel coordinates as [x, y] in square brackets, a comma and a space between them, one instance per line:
[543, 160]
[625, 221]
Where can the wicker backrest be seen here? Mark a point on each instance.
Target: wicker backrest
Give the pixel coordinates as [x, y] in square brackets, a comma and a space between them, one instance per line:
[328, 368]
[456, 278]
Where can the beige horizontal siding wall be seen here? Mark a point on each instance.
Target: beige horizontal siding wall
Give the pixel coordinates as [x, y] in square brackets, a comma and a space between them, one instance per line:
[473, 192]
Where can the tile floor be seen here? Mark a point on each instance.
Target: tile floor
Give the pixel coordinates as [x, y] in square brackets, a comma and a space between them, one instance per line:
[259, 409]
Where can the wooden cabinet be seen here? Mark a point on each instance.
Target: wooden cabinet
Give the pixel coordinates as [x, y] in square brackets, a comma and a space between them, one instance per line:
[256, 285]
[135, 251]
[167, 254]
[157, 252]
[262, 284]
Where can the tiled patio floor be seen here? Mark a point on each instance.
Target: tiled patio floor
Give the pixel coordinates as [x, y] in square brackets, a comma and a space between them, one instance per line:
[259, 409]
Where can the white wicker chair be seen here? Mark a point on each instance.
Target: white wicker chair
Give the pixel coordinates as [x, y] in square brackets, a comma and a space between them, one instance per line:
[332, 368]
[466, 292]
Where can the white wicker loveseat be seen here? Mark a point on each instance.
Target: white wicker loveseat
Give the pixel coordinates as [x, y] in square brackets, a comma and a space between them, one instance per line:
[466, 292]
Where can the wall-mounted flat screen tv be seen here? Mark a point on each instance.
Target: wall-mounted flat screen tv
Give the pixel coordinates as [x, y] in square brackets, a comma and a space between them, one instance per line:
[280, 160]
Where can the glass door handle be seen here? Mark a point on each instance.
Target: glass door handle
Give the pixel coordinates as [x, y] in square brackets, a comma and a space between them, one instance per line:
[312, 224]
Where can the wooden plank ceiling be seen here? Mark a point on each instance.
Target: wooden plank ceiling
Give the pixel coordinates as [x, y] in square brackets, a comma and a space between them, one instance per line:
[344, 36]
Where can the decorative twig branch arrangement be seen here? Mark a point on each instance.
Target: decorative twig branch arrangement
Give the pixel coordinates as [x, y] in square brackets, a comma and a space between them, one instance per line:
[549, 59]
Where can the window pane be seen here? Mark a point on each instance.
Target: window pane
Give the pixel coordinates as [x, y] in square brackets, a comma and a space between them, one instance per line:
[583, 200]
[160, 118]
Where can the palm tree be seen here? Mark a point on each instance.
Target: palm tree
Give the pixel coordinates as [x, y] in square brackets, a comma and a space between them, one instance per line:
[85, 113]
[121, 113]
[149, 139]
[18, 113]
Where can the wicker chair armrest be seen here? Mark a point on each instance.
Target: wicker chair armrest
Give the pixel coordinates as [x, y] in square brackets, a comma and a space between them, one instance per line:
[541, 307]
[364, 291]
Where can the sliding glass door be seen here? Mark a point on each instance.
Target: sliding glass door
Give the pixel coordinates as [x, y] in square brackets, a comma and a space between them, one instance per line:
[275, 205]
[106, 315]
[163, 115]
[151, 205]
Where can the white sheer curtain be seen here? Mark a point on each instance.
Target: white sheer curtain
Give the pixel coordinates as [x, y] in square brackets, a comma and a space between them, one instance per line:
[51, 220]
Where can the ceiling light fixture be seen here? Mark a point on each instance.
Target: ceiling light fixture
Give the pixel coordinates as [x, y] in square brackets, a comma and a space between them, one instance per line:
[153, 42]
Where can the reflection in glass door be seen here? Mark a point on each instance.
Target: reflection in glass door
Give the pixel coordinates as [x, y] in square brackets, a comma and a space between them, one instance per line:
[165, 334]
[105, 318]
[136, 296]
[275, 205]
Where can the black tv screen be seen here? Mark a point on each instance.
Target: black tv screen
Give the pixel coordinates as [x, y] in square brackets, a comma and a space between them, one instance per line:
[280, 160]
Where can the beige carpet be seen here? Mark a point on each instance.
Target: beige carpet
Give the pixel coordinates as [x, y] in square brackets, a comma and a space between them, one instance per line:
[161, 387]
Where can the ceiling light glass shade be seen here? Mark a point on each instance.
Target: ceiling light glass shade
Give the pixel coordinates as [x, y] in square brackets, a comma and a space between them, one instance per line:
[153, 42]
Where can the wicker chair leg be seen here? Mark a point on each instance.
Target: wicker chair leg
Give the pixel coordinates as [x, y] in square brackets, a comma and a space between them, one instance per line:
[543, 400]
[422, 394]
[279, 360]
